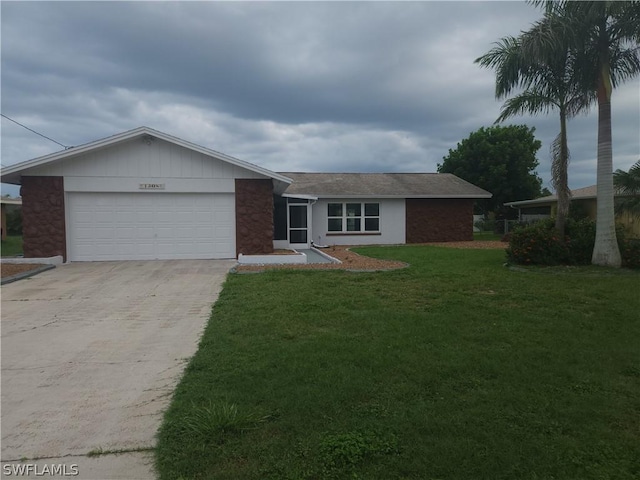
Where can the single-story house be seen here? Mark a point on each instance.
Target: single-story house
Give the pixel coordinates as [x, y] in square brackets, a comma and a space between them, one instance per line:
[143, 194]
[585, 198]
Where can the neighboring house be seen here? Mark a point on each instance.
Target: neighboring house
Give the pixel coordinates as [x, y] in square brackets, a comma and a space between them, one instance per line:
[584, 198]
[143, 194]
[7, 203]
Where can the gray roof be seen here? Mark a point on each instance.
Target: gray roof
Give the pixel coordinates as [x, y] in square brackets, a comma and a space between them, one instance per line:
[381, 185]
[578, 194]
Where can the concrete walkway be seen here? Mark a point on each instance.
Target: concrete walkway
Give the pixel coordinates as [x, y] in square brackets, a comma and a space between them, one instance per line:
[91, 353]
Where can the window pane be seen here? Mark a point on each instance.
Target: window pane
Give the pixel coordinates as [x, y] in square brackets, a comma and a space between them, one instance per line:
[335, 224]
[334, 210]
[353, 224]
[371, 209]
[372, 224]
[297, 216]
[354, 209]
[297, 236]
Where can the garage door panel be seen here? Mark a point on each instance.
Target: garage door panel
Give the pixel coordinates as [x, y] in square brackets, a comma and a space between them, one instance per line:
[143, 226]
[125, 233]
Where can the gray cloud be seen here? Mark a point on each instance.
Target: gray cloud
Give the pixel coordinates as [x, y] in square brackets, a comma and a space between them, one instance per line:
[290, 86]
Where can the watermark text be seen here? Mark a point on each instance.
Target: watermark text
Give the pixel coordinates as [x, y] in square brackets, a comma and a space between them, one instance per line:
[40, 470]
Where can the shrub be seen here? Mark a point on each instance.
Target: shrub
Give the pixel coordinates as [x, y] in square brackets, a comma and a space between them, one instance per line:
[580, 238]
[539, 244]
[630, 252]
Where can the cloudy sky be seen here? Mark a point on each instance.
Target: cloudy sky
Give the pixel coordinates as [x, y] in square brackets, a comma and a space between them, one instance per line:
[350, 87]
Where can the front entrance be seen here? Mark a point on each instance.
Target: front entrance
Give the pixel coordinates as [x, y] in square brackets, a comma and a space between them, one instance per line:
[291, 223]
[298, 224]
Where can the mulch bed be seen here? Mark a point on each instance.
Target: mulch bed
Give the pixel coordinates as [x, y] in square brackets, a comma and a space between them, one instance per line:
[9, 269]
[352, 261]
[476, 244]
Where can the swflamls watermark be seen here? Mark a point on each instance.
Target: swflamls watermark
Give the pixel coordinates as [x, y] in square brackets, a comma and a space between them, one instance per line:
[40, 470]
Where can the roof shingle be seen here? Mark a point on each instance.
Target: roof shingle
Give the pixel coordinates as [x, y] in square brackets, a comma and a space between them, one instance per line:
[401, 185]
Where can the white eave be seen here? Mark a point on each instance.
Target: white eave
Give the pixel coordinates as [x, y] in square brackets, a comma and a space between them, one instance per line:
[11, 174]
[300, 196]
[403, 196]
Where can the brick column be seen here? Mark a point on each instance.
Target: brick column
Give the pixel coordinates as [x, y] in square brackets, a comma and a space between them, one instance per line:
[254, 216]
[43, 218]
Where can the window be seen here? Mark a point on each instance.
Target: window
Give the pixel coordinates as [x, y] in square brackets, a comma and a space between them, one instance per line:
[353, 217]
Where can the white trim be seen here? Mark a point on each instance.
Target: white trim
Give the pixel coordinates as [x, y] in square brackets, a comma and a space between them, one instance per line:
[293, 259]
[56, 260]
[67, 225]
[300, 196]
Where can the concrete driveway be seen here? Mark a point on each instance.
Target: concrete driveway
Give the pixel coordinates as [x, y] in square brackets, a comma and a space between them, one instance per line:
[91, 353]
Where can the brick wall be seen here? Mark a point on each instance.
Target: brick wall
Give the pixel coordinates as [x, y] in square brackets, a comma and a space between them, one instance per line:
[43, 219]
[254, 216]
[439, 220]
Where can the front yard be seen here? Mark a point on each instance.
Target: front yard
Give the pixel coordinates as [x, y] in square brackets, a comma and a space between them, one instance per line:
[12, 246]
[454, 368]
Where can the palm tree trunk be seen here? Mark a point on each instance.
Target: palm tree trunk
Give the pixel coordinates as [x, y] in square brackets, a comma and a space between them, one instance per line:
[605, 250]
[561, 180]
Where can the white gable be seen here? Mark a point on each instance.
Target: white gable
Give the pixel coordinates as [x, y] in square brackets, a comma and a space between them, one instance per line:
[143, 156]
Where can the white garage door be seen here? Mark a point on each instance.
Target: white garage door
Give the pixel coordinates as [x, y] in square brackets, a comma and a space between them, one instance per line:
[149, 226]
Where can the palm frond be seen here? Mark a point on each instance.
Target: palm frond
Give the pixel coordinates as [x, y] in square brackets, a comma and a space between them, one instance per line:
[506, 60]
[527, 102]
[625, 64]
[628, 183]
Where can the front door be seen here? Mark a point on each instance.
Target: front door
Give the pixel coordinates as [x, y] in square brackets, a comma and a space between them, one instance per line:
[298, 225]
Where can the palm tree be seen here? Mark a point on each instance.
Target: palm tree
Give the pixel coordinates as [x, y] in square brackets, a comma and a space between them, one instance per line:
[627, 184]
[606, 37]
[546, 73]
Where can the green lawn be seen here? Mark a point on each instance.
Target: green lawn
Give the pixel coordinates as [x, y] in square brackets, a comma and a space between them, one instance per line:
[454, 368]
[486, 236]
[11, 246]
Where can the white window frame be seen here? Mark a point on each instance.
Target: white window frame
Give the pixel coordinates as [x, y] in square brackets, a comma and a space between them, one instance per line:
[343, 218]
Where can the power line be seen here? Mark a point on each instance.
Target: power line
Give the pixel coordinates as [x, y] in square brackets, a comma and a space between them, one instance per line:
[43, 136]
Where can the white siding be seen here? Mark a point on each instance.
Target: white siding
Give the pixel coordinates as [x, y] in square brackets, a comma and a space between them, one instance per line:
[392, 223]
[122, 167]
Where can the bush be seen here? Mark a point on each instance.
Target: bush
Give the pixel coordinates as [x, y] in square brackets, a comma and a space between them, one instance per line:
[536, 244]
[630, 252]
[539, 244]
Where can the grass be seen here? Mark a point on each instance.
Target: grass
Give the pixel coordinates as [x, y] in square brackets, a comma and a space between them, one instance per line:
[454, 368]
[12, 246]
[487, 236]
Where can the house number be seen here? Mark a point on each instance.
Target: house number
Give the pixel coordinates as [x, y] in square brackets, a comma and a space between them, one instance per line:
[151, 186]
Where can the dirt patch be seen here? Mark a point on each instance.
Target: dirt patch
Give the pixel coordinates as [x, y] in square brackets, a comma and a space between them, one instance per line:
[352, 261]
[9, 269]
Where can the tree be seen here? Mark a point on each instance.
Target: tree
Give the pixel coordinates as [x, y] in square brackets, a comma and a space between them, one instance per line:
[500, 159]
[606, 37]
[627, 184]
[547, 75]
